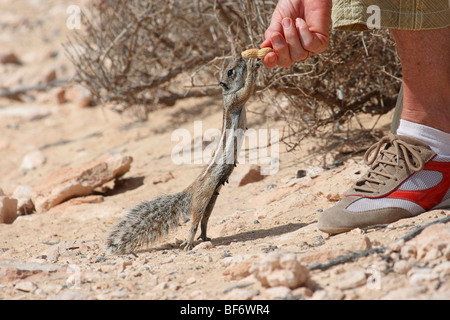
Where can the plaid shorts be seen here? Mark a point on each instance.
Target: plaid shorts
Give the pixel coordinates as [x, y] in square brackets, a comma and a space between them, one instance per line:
[360, 15]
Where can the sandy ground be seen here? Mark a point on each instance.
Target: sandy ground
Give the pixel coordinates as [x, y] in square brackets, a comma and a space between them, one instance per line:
[59, 254]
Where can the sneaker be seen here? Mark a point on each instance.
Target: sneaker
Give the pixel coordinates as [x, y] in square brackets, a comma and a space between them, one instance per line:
[405, 179]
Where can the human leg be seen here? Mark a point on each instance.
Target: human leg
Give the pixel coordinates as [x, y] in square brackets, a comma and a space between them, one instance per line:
[410, 172]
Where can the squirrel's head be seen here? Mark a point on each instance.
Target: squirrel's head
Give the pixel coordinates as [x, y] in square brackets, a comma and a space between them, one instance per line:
[234, 76]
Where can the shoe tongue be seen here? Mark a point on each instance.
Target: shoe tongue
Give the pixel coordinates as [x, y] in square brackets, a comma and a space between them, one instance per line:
[391, 169]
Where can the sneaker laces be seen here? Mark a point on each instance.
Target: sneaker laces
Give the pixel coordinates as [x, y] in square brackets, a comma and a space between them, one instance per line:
[384, 166]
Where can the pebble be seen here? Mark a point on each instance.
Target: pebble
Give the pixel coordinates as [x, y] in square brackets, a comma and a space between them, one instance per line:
[24, 203]
[33, 160]
[351, 279]
[8, 209]
[408, 251]
[9, 57]
[79, 95]
[240, 294]
[365, 243]
[280, 292]
[402, 266]
[204, 245]
[26, 286]
[246, 174]
[237, 271]
[280, 269]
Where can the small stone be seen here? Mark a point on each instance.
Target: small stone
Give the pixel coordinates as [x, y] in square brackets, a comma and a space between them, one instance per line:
[302, 291]
[357, 231]
[443, 269]
[402, 266]
[277, 292]
[240, 294]
[163, 285]
[396, 246]
[334, 197]
[285, 278]
[8, 210]
[419, 276]
[243, 175]
[204, 245]
[301, 173]
[55, 96]
[51, 254]
[433, 242]
[237, 271]
[313, 171]
[8, 57]
[163, 178]
[351, 280]
[121, 265]
[24, 203]
[33, 160]
[408, 251]
[48, 76]
[365, 243]
[119, 294]
[190, 280]
[276, 270]
[26, 286]
[79, 95]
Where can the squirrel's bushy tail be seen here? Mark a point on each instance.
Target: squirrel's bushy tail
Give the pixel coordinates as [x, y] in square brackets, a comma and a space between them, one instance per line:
[148, 221]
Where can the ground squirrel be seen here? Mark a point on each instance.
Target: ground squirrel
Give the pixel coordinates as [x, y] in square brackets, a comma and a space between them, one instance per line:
[149, 220]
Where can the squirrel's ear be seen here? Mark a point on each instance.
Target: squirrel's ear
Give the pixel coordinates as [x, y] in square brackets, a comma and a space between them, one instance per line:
[223, 85]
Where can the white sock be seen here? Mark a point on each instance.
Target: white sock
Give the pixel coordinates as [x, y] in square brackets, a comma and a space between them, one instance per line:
[439, 141]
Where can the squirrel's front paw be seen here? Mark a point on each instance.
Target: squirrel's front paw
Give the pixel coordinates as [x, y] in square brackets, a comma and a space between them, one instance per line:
[251, 64]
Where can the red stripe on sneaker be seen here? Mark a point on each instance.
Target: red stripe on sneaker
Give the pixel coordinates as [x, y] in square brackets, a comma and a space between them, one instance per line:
[427, 198]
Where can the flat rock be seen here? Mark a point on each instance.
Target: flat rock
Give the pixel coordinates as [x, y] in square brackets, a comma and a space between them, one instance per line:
[351, 279]
[75, 182]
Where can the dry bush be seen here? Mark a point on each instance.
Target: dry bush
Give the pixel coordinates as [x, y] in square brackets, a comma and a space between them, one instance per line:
[151, 53]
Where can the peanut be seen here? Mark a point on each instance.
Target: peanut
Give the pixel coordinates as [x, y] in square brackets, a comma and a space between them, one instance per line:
[256, 53]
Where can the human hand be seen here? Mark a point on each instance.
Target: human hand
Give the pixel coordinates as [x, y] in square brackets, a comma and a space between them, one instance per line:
[297, 27]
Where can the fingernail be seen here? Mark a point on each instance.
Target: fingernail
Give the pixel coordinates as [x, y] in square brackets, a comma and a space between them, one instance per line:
[298, 23]
[287, 22]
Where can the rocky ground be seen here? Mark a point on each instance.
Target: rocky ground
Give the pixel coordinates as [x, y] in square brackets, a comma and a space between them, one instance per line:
[83, 166]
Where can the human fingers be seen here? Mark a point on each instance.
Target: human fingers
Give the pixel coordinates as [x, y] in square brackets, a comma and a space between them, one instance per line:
[296, 51]
[280, 47]
[309, 40]
[270, 60]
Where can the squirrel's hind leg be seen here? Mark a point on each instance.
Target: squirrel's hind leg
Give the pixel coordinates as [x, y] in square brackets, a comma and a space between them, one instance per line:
[204, 222]
[196, 216]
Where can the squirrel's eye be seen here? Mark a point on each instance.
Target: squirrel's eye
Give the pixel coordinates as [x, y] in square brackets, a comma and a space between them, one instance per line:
[230, 72]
